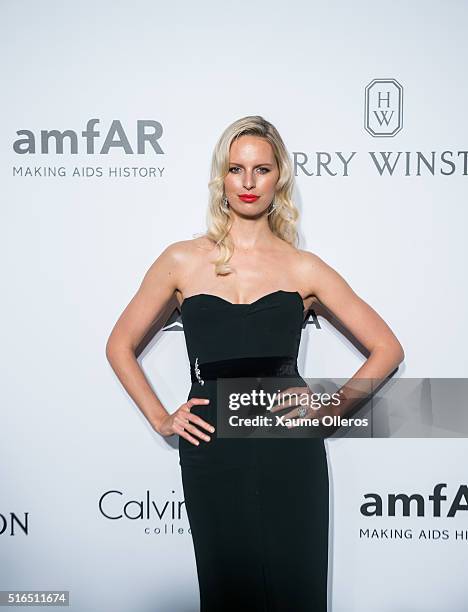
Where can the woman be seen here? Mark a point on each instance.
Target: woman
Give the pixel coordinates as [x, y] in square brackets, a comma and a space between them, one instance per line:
[257, 506]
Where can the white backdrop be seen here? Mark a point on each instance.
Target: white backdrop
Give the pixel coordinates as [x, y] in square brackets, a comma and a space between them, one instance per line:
[75, 249]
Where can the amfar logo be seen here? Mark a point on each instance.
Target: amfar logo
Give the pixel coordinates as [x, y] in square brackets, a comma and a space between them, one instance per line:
[376, 506]
[8, 524]
[383, 114]
[114, 137]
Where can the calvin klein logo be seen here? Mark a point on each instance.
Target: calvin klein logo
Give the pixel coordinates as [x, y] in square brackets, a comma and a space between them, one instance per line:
[407, 504]
[115, 137]
[383, 114]
[115, 505]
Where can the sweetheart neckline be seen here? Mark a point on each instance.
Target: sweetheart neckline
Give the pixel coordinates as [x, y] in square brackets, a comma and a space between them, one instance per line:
[218, 297]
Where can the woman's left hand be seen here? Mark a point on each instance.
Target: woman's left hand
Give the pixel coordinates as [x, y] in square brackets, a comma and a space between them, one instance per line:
[304, 407]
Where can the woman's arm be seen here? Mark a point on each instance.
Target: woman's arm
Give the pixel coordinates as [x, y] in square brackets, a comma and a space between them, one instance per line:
[385, 351]
[156, 290]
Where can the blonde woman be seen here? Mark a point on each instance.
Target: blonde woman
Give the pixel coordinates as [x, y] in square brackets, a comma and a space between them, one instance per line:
[257, 506]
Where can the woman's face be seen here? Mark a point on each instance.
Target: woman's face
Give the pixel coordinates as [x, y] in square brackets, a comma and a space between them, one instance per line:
[252, 171]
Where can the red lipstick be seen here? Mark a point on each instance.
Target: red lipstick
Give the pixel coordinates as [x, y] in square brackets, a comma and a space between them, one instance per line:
[248, 197]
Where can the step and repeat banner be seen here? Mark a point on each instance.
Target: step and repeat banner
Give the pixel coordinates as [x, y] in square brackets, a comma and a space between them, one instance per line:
[110, 112]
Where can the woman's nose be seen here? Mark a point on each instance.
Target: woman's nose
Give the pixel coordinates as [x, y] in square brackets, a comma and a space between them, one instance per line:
[248, 181]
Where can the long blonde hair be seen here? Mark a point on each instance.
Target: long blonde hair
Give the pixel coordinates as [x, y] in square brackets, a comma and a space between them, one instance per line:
[283, 217]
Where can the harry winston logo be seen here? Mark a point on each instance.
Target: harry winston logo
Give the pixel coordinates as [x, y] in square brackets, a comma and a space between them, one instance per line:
[383, 109]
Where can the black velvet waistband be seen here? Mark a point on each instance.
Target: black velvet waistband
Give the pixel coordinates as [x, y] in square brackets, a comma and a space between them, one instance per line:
[243, 367]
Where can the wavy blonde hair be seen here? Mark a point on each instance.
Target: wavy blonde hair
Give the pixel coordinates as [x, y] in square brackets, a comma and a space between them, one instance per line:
[282, 219]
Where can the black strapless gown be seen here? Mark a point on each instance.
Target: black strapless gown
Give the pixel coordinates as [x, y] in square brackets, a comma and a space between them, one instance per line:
[258, 508]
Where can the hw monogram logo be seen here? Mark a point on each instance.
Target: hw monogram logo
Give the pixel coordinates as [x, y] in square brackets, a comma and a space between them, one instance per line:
[383, 114]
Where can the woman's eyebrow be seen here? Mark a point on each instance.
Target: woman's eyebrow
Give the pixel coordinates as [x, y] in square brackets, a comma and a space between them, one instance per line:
[265, 164]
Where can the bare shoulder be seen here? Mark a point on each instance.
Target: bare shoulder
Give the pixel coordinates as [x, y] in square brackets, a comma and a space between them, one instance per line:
[177, 263]
[182, 252]
[330, 288]
[309, 261]
[318, 275]
[166, 267]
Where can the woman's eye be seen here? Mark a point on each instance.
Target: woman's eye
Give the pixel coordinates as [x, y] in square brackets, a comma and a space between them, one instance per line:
[237, 168]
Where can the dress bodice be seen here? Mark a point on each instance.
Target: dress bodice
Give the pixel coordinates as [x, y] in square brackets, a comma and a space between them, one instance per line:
[216, 329]
[228, 346]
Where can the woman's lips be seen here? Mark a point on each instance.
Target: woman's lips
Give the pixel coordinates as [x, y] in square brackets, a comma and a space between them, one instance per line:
[248, 198]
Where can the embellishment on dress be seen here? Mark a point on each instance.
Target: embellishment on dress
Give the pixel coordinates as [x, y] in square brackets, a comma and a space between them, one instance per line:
[197, 373]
